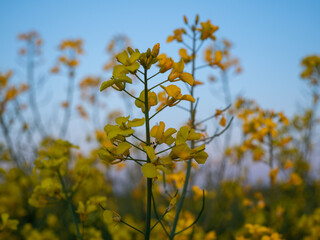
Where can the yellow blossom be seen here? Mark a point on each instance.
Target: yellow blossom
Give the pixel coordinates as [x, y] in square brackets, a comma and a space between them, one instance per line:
[207, 30]
[175, 96]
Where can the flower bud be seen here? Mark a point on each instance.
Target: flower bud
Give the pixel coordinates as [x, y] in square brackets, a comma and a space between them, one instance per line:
[130, 50]
[185, 19]
[155, 50]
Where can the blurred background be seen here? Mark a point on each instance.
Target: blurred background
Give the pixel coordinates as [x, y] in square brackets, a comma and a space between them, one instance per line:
[57, 54]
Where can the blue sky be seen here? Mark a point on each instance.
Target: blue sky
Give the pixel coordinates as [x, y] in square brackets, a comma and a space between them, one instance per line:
[269, 37]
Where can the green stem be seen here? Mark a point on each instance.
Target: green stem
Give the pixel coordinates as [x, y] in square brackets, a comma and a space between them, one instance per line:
[272, 195]
[180, 203]
[192, 116]
[74, 217]
[149, 180]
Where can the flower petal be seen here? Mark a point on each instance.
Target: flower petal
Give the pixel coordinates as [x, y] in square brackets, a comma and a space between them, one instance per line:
[149, 170]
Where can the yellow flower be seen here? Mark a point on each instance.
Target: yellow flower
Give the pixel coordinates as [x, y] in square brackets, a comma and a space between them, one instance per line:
[184, 55]
[288, 164]
[210, 236]
[130, 63]
[183, 152]
[91, 206]
[175, 96]
[152, 100]
[216, 60]
[48, 189]
[149, 170]
[53, 154]
[207, 30]
[273, 174]
[223, 121]
[177, 35]
[311, 72]
[114, 154]
[162, 98]
[164, 63]
[177, 73]
[123, 129]
[295, 179]
[119, 78]
[150, 152]
[162, 136]
[7, 223]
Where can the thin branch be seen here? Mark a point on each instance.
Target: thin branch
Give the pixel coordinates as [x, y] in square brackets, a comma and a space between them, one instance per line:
[133, 96]
[131, 158]
[200, 45]
[165, 150]
[158, 85]
[123, 221]
[203, 66]
[157, 216]
[164, 184]
[158, 112]
[68, 109]
[188, 33]
[187, 45]
[139, 77]
[183, 108]
[138, 139]
[195, 106]
[9, 142]
[214, 115]
[134, 146]
[153, 75]
[131, 226]
[199, 215]
[159, 219]
[209, 139]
